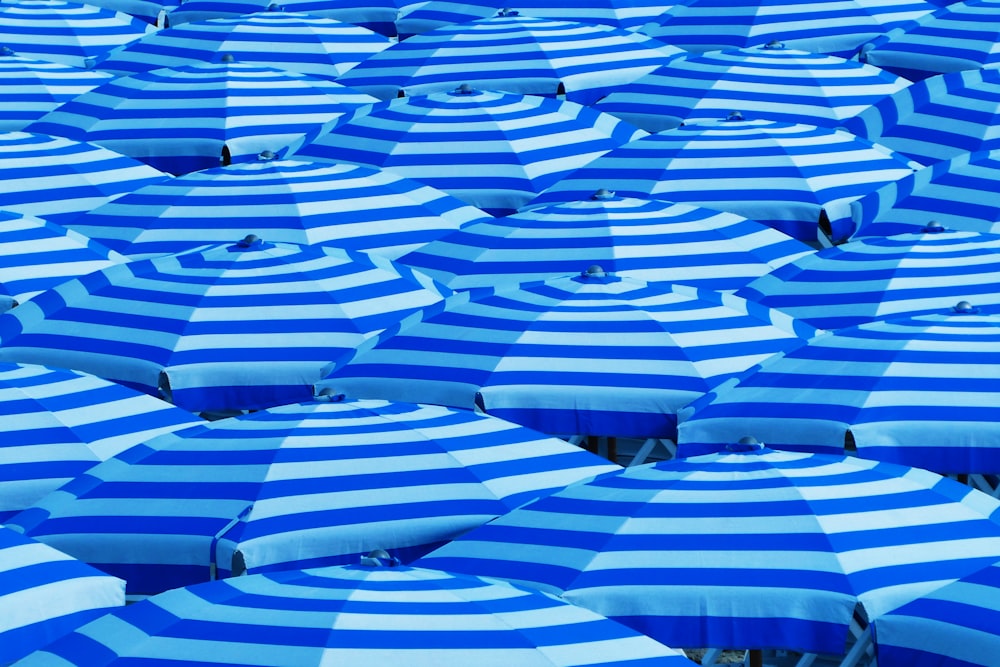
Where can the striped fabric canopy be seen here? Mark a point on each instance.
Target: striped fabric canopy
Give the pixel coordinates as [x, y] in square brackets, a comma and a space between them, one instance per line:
[342, 205]
[297, 486]
[45, 594]
[591, 354]
[768, 82]
[638, 238]
[225, 327]
[518, 54]
[193, 117]
[57, 179]
[298, 42]
[357, 615]
[58, 423]
[878, 278]
[938, 118]
[788, 176]
[376, 15]
[747, 549]
[922, 390]
[492, 150]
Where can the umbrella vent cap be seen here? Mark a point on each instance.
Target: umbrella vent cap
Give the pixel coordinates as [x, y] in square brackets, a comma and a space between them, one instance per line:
[775, 44]
[379, 558]
[6, 51]
[227, 58]
[266, 155]
[275, 7]
[465, 89]
[249, 242]
[735, 116]
[933, 227]
[507, 11]
[595, 271]
[747, 443]
[964, 307]
[603, 195]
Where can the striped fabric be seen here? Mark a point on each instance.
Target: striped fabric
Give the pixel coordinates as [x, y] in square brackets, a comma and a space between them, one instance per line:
[150, 11]
[788, 176]
[517, 54]
[342, 205]
[768, 82]
[57, 423]
[636, 238]
[742, 548]
[375, 15]
[297, 486]
[938, 118]
[492, 150]
[30, 88]
[879, 278]
[592, 354]
[358, 615]
[193, 117]
[45, 594]
[298, 42]
[921, 390]
[70, 33]
[57, 179]
[226, 327]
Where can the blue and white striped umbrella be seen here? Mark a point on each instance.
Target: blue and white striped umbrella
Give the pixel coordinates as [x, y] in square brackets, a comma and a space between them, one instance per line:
[70, 33]
[45, 594]
[375, 15]
[298, 42]
[58, 423]
[768, 82]
[637, 238]
[754, 548]
[493, 150]
[922, 390]
[357, 615]
[877, 278]
[58, 179]
[591, 354]
[319, 483]
[792, 177]
[938, 118]
[518, 54]
[342, 205]
[225, 327]
[193, 117]
[30, 88]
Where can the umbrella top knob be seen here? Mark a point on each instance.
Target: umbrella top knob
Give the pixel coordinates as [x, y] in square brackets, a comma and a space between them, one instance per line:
[735, 115]
[275, 7]
[964, 308]
[603, 195]
[6, 51]
[933, 227]
[507, 11]
[266, 155]
[379, 558]
[595, 271]
[227, 58]
[250, 241]
[465, 89]
[775, 44]
[747, 443]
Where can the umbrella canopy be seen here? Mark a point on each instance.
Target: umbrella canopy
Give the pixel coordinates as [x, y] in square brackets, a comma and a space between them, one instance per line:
[193, 117]
[225, 327]
[492, 150]
[518, 54]
[58, 423]
[591, 354]
[753, 548]
[45, 594]
[375, 15]
[298, 42]
[291, 201]
[792, 177]
[70, 33]
[921, 390]
[768, 82]
[638, 238]
[354, 615]
[297, 486]
[57, 179]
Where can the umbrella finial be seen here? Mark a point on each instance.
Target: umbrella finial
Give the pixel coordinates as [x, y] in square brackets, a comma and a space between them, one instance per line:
[735, 115]
[507, 11]
[747, 443]
[595, 271]
[275, 7]
[775, 44]
[250, 241]
[465, 89]
[227, 58]
[964, 308]
[266, 155]
[6, 51]
[379, 558]
[603, 195]
[933, 227]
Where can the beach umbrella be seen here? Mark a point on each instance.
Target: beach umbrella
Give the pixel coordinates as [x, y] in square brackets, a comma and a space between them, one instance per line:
[796, 178]
[45, 594]
[756, 548]
[343, 205]
[590, 354]
[234, 326]
[358, 614]
[517, 54]
[647, 239]
[877, 278]
[58, 423]
[30, 88]
[300, 485]
[918, 390]
[191, 117]
[57, 179]
[768, 82]
[492, 150]
[293, 41]
[70, 33]
[375, 15]
[936, 119]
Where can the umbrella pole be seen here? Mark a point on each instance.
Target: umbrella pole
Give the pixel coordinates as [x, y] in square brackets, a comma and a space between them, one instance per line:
[756, 658]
